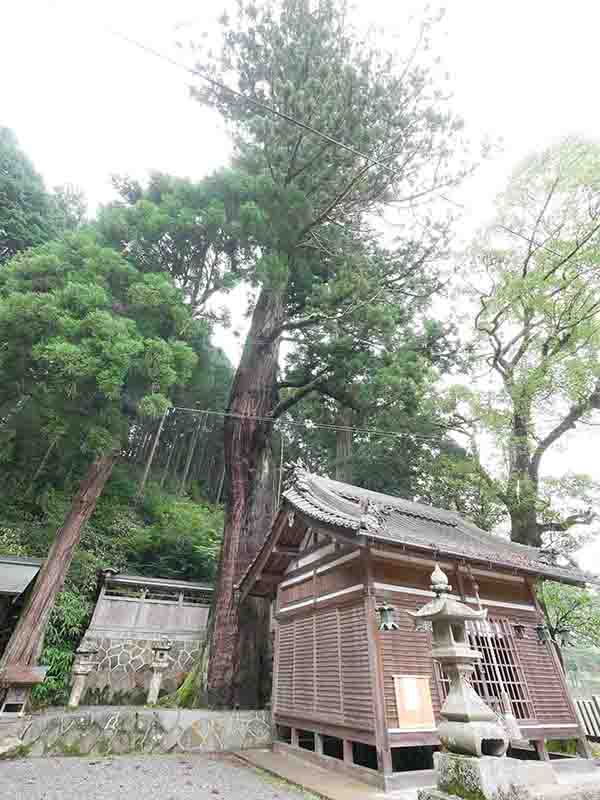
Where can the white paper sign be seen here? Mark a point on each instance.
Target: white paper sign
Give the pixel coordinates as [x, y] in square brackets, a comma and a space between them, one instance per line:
[410, 694]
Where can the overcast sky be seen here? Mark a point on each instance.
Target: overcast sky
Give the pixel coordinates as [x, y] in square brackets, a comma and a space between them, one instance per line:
[85, 105]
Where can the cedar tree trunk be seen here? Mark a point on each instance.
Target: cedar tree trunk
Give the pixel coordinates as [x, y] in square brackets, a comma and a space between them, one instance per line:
[26, 642]
[343, 447]
[238, 669]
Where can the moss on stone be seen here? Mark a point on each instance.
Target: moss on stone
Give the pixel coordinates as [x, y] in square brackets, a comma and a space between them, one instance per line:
[22, 751]
[102, 747]
[69, 749]
[455, 787]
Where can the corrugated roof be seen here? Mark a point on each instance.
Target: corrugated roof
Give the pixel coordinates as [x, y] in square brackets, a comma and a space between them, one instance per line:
[400, 521]
[16, 573]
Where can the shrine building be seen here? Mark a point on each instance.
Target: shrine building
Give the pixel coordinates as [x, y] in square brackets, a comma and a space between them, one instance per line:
[354, 683]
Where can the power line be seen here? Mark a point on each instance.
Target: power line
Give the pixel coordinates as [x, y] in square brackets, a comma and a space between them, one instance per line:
[310, 425]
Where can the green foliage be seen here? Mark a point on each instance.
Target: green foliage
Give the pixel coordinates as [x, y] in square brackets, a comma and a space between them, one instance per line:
[572, 615]
[67, 625]
[181, 539]
[289, 186]
[26, 209]
[179, 228]
[534, 274]
[165, 536]
[88, 342]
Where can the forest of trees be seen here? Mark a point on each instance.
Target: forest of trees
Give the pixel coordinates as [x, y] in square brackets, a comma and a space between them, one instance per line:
[129, 440]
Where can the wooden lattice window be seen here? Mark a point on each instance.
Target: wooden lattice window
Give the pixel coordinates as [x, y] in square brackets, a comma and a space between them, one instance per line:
[499, 670]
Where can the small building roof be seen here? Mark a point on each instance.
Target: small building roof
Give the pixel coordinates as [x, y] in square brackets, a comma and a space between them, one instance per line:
[371, 516]
[16, 573]
[114, 577]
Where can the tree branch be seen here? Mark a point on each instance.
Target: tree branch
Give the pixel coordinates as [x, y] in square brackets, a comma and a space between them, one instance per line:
[583, 518]
[575, 413]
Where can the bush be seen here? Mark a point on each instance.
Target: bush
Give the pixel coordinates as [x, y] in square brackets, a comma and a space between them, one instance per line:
[68, 622]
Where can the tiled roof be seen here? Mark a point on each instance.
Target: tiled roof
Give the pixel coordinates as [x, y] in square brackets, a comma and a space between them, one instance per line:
[398, 521]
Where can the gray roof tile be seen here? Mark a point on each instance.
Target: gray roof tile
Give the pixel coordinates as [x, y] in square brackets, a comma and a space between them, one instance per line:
[400, 521]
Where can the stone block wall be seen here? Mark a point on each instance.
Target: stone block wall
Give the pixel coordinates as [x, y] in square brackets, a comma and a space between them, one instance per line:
[122, 669]
[110, 731]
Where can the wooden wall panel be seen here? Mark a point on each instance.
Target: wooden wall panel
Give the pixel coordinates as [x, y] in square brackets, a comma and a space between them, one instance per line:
[357, 684]
[296, 592]
[304, 662]
[490, 589]
[329, 667]
[333, 580]
[403, 574]
[323, 668]
[546, 684]
[284, 697]
[405, 652]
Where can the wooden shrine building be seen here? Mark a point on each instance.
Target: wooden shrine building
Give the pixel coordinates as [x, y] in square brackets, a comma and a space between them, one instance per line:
[354, 684]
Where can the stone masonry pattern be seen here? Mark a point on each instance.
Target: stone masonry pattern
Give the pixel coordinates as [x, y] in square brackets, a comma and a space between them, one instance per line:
[123, 668]
[109, 731]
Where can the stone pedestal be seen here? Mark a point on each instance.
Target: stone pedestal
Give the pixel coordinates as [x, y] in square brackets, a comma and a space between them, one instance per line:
[489, 777]
[82, 667]
[80, 673]
[155, 683]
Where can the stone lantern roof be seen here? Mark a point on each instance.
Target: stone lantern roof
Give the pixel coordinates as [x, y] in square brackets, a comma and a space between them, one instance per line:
[444, 607]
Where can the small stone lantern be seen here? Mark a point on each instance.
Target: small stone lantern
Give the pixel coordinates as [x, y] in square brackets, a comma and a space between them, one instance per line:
[82, 666]
[160, 662]
[469, 726]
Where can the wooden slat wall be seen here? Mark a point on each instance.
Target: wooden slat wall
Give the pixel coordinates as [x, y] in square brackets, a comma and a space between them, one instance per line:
[330, 581]
[331, 644]
[546, 685]
[590, 714]
[405, 652]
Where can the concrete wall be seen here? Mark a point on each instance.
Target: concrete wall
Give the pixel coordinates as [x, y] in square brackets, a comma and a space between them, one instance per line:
[110, 731]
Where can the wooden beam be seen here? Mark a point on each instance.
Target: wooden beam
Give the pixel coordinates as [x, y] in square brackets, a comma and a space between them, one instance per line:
[280, 550]
[263, 556]
[382, 746]
[268, 577]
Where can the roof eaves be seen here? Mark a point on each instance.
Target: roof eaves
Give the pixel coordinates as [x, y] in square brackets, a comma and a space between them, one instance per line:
[558, 573]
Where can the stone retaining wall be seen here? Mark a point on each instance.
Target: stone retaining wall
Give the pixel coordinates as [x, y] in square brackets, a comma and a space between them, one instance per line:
[123, 668]
[116, 731]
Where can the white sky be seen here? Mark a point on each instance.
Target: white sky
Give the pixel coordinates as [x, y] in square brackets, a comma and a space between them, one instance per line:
[85, 105]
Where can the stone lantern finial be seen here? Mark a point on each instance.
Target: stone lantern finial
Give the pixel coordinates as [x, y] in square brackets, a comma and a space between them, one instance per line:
[439, 581]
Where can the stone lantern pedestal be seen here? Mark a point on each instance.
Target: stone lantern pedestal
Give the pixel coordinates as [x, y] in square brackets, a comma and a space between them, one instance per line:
[82, 667]
[160, 648]
[473, 763]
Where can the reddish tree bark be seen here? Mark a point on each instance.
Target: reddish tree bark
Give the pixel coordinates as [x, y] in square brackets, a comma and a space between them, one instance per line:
[239, 643]
[25, 644]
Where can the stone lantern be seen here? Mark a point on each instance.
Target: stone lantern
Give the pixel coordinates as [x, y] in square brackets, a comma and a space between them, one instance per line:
[469, 726]
[160, 662]
[82, 666]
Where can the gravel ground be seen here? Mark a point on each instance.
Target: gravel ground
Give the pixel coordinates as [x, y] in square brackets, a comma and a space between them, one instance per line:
[140, 778]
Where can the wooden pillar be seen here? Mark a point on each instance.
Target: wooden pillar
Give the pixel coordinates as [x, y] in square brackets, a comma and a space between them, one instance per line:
[318, 743]
[384, 754]
[294, 737]
[541, 750]
[348, 752]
